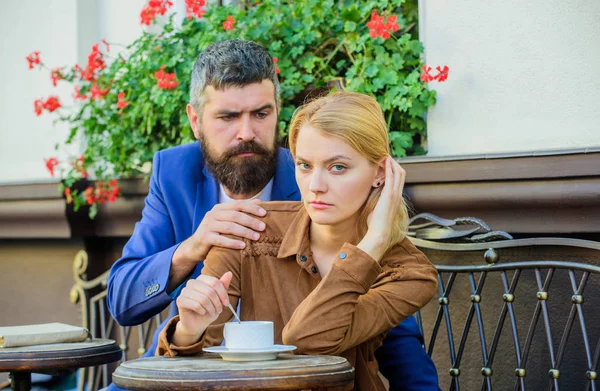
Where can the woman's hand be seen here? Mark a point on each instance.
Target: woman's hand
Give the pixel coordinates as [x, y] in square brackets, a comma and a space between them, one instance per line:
[200, 303]
[381, 219]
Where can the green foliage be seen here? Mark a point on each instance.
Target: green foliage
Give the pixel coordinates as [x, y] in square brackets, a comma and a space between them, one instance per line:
[316, 42]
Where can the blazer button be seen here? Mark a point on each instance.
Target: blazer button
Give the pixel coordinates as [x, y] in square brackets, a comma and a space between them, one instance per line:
[314, 269]
[303, 258]
[342, 255]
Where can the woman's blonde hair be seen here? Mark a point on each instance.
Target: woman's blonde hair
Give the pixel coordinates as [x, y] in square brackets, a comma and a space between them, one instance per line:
[357, 120]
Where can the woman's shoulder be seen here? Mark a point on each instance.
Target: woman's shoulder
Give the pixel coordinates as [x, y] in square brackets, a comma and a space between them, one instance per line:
[280, 215]
[282, 206]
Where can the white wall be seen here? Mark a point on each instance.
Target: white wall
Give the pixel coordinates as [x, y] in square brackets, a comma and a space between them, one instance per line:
[64, 32]
[523, 74]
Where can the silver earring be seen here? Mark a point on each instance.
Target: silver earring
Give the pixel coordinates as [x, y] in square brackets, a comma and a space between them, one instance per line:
[378, 184]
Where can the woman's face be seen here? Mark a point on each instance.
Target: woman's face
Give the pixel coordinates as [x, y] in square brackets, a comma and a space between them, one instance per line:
[334, 179]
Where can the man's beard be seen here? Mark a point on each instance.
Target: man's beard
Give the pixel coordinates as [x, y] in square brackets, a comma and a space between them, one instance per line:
[241, 175]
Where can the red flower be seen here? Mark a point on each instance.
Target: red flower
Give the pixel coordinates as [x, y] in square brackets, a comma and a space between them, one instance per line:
[88, 194]
[87, 74]
[194, 8]
[425, 76]
[51, 104]
[114, 193]
[379, 28]
[97, 92]
[166, 81]
[443, 73]
[68, 195]
[95, 63]
[147, 15]
[106, 44]
[112, 183]
[55, 76]
[153, 8]
[390, 23]
[77, 94]
[38, 107]
[50, 164]
[275, 59]
[228, 24]
[33, 59]
[79, 166]
[121, 102]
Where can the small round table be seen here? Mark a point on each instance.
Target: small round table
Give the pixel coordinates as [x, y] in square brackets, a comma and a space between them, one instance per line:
[210, 372]
[53, 358]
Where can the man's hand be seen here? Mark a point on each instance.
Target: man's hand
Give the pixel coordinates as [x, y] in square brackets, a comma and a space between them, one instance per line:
[382, 217]
[200, 303]
[232, 218]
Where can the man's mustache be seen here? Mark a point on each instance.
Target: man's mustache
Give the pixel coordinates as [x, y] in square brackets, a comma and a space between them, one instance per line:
[246, 147]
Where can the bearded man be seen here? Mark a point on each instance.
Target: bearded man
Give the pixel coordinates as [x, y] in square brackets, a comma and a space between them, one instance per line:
[203, 191]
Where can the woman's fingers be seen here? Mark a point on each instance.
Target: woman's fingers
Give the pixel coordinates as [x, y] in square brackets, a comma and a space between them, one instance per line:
[185, 303]
[209, 292]
[399, 178]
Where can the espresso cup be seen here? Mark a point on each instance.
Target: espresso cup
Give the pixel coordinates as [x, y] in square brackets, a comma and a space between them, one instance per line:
[248, 335]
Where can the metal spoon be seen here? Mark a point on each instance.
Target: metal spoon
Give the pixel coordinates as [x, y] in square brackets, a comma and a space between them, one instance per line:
[234, 313]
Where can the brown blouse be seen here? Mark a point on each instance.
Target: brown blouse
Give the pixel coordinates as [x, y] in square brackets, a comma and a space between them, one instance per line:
[346, 313]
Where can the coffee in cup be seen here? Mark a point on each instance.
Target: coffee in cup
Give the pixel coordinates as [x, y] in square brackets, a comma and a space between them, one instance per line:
[248, 335]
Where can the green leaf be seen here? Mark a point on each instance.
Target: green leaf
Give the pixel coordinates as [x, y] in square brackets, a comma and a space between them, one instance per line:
[400, 142]
[349, 26]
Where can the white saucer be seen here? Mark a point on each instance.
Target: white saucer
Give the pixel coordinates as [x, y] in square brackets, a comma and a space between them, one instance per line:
[265, 354]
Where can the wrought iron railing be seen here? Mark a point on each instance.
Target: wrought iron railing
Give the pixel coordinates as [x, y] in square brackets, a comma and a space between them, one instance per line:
[504, 323]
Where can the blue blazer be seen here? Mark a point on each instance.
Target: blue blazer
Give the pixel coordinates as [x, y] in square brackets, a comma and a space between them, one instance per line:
[181, 193]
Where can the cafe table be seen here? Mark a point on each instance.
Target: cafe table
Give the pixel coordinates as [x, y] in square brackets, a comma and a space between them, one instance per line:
[21, 362]
[210, 372]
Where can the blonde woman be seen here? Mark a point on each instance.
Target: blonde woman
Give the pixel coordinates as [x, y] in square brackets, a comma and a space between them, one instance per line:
[334, 272]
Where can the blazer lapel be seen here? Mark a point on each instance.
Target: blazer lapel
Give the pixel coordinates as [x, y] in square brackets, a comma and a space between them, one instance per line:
[284, 183]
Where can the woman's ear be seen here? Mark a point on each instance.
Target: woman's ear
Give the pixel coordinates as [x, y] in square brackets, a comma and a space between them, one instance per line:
[380, 174]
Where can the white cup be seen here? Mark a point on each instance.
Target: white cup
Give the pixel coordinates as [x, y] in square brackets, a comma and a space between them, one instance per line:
[248, 335]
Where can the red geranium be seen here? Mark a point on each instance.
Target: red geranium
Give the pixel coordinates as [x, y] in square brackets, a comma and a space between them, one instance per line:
[55, 76]
[79, 166]
[121, 102]
[443, 73]
[166, 81]
[441, 77]
[426, 76]
[68, 195]
[38, 107]
[97, 92]
[52, 103]
[154, 8]
[77, 94]
[50, 164]
[194, 8]
[379, 28]
[228, 24]
[33, 59]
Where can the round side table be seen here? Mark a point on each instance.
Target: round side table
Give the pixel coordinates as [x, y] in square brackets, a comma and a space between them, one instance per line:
[22, 361]
[210, 372]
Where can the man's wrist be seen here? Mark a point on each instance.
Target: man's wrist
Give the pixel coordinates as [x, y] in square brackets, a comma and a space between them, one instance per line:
[184, 257]
[182, 266]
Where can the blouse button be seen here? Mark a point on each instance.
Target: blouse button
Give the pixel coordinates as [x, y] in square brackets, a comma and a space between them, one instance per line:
[302, 258]
[314, 269]
[342, 255]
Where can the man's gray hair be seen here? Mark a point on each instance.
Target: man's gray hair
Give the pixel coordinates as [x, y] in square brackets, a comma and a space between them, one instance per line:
[232, 63]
